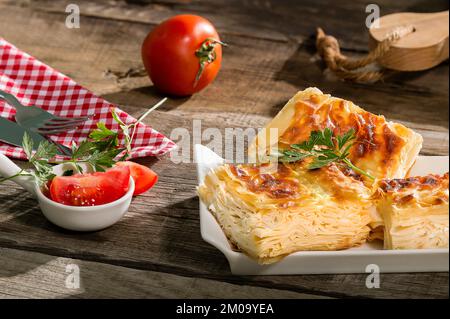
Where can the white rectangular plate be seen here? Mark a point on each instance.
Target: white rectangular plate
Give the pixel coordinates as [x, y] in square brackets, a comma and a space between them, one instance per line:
[354, 260]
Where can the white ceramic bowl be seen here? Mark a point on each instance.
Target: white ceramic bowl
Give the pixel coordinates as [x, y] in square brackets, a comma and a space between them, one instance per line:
[90, 218]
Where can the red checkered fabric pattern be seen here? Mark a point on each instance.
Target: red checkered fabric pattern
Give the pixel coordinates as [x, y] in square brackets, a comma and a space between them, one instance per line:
[34, 83]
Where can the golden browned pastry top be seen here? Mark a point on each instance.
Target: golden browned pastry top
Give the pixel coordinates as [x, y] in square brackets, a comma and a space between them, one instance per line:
[375, 139]
[382, 148]
[294, 181]
[422, 190]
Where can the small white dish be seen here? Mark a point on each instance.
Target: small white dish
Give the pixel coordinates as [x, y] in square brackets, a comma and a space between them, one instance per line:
[90, 218]
[354, 260]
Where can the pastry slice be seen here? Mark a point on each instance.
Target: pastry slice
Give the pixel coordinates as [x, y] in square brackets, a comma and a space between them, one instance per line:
[415, 212]
[271, 210]
[383, 149]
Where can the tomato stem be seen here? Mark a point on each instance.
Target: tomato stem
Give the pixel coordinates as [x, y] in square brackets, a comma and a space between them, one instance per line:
[206, 54]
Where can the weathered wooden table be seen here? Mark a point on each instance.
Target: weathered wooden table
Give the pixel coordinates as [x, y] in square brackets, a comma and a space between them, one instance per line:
[156, 250]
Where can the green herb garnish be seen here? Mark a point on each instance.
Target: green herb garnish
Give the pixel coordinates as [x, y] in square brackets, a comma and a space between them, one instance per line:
[325, 149]
[100, 150]
[128, 130]
[40, 159]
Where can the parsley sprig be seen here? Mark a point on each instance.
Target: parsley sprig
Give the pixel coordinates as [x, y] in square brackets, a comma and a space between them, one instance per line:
[129, 130]
[100, 150]
[324, 148]
[40, 160]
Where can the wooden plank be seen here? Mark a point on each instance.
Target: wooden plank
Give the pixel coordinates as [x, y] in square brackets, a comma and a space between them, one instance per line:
[158, 244]
[34, 275]
[276, 20]
[161, 233]
[257, 78]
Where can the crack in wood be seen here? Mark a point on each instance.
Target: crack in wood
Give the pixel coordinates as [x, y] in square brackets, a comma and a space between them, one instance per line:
[132, 72]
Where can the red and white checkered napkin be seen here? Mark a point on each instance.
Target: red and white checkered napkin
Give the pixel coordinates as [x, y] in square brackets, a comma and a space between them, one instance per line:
[34, 83]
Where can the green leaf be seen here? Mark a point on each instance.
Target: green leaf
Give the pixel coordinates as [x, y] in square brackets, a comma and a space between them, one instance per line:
[99, 168]
[27, 144]
[319, 163]
[104, 159]
[346, 151]
[116, 117]
[107, 144]
[290, 153]
[46, 150]
[327, 154]
[74, 147]
[328, 138]
[347, 137]
[79, 168]
[295, 153]
[101, 132]
[325, 148]
[290, 159]
[289, 156]
[43, 172]
[305, 146]
[316, 138]
[82, 150]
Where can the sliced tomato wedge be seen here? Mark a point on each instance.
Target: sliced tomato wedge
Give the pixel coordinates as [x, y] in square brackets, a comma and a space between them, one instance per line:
[144, 177]
[91, 189]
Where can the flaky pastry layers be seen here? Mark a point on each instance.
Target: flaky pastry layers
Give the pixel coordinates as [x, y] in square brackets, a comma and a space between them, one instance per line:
[415, 212]
[383, 149]
[270, 211]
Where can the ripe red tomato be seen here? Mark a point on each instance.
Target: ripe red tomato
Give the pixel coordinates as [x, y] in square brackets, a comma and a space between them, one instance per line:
[175, 52]
[144, 177]
[91, 189]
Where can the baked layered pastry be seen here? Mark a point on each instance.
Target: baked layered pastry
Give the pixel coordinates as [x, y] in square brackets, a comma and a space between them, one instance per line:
[271, 210]
[415, 212]
[383, 149]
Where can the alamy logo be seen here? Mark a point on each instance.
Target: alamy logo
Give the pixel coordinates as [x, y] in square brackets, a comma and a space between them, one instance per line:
[373, 280]
[73, 277]
[229, 143]
[73, 19]
[373, 19]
